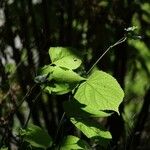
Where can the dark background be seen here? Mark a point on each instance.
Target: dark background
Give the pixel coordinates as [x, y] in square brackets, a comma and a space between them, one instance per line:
[28, 28]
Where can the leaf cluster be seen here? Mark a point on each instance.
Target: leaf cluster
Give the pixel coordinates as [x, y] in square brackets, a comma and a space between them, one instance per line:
[97, 95]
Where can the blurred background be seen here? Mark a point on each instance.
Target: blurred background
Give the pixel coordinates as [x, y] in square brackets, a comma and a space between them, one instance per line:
[28, 28]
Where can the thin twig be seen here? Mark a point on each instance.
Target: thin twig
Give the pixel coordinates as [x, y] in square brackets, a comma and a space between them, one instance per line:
[59, 125]
[27, 94]
[110, 47]
[30, 112]
[61, 121]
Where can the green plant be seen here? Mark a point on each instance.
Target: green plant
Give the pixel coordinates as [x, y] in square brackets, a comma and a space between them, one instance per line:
[92, 95]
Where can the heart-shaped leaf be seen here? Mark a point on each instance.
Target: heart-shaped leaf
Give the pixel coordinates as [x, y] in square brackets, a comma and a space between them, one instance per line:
[101, 92]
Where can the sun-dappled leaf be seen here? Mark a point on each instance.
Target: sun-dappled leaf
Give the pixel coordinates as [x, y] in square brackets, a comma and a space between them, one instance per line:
[58, 80]
[64, 57]
[101, 92]
[36, 136]
[73, 143]
[92, 129]
[65, 75]
[60, 74]
[75, 109]
[58, 88]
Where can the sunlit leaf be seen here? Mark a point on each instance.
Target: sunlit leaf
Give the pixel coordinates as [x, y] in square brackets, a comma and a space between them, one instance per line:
[73, 143]
[64, 57]
[58, 80]
[65, 75]
[92, 129]
[60, 74]
[58, 88]
[101, 92]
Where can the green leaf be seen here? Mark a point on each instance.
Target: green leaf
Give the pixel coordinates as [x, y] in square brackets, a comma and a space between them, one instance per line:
[75, 109]
[64, 57]
[101, 92]
[92, 130]
[36, 136]
[44, 74]
[58, 88]
[58, 80]
[60, 74]
[73, 143]
[65, 75]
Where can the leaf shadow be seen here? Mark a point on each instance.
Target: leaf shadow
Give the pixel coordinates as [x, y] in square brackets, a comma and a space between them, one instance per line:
[75, 109]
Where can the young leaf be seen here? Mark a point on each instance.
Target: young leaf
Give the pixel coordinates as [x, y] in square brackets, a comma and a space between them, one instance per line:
[36, 136]
[73, 143]
[64, 57]
[101, 92]
[92, 129]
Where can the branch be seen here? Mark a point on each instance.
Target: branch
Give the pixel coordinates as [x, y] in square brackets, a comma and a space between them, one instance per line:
[122, 40]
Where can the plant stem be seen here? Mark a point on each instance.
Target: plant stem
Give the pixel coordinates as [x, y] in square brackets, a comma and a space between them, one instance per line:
[61, 121]
[59, 125]
[123, 39]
